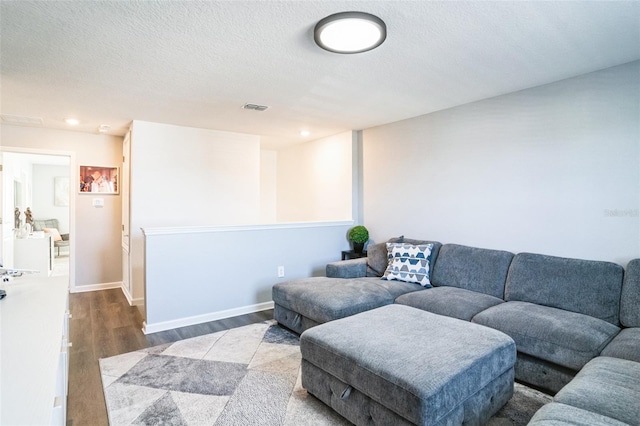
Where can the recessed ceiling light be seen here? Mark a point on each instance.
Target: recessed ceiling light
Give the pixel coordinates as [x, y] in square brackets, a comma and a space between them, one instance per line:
[350, 32]
[305, 133]
[72, 121]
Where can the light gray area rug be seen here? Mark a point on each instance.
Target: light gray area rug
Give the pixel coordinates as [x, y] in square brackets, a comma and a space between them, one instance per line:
[244, 376]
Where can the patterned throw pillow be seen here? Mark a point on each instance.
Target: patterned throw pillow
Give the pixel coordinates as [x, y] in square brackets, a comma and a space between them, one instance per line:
[409, 263]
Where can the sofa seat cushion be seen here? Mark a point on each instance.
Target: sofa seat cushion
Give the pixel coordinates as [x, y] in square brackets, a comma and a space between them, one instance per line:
[427, 368]
[556, 414]
[450, 301]
[625, 345]
[606, 386]
[324, 299]
[565, 338]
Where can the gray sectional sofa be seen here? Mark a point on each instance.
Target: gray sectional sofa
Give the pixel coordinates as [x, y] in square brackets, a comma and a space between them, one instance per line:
[562, 313]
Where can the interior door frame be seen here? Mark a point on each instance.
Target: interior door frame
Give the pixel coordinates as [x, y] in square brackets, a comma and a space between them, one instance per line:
[73, 183]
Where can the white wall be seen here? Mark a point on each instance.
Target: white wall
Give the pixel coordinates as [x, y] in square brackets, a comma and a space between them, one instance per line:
[43, 206]
[17, 168]
[96, 237]
[183, 176]
[553, 169]
[315, 180]
[198, 275]
[268, 186]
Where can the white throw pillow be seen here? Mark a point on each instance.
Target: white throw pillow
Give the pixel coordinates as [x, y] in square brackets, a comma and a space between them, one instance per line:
[55, 234]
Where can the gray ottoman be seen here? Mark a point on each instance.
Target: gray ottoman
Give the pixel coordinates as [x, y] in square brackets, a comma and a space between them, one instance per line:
[400, 365]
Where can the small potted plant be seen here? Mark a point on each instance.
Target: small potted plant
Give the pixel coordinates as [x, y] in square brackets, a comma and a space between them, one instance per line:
[359, 235]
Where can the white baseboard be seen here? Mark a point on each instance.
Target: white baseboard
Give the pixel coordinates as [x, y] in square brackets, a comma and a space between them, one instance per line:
[130, 300]
[96, 287]
[199, 319]
[108, 286]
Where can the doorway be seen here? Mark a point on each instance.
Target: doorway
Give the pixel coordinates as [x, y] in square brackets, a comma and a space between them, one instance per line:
[41, 182]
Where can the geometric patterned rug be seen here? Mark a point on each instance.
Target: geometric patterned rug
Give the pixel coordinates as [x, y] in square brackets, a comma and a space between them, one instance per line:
[243, 376]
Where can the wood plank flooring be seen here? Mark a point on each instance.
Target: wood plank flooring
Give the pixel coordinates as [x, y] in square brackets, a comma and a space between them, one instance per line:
[103, 325]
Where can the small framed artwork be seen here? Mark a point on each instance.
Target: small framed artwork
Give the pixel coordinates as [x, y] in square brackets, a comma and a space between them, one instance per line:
[61, 191]
[99, 179]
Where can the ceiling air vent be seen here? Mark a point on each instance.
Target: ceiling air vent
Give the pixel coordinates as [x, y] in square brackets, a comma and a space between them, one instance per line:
[22, 120]
[255, 107]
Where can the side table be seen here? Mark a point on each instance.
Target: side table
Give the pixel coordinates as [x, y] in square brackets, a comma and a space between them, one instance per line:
[350, 254]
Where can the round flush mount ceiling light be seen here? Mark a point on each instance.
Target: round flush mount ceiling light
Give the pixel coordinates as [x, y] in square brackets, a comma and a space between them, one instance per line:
[72, 121]
[350, 32]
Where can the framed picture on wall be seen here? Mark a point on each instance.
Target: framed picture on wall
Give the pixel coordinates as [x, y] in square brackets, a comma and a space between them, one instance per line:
[61, 191]
[99, 179]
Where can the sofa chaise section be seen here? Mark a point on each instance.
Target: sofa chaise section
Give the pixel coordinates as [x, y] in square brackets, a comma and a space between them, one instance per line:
[305, 303]
[349, 288]
[560, 312]
[466, 280]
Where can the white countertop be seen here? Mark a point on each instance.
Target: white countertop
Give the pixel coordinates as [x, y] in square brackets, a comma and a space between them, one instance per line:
[31, 329]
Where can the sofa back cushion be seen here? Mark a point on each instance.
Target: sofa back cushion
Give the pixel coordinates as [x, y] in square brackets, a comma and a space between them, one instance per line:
[471, 268]
[630, 300]
[40, 224]
[584, 286]
[377, 257]
[377, 254]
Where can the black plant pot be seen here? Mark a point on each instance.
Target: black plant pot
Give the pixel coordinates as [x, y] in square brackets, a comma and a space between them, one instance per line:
[358, 247]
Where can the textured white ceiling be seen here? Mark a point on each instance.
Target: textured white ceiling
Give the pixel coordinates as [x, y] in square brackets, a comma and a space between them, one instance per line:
[195, 63]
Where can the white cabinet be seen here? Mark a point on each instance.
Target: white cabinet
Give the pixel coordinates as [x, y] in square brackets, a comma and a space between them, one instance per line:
[34, 342]
[34, 252]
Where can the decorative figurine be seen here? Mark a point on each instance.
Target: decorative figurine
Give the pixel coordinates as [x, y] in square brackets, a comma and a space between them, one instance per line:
[16, 222]
[28, 216]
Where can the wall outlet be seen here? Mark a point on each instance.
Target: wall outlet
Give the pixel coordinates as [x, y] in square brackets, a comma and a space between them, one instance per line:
[280, 271]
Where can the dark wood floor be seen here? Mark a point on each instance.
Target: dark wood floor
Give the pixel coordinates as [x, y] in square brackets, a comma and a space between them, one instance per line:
[103, 325]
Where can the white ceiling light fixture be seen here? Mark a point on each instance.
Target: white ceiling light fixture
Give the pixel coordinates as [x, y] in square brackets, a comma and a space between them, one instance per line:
[255, 107]
[305, 133]
[72, 121]
[350, 32]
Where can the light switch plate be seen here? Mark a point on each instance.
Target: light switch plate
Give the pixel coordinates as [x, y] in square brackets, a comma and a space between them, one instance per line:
[98, 202]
